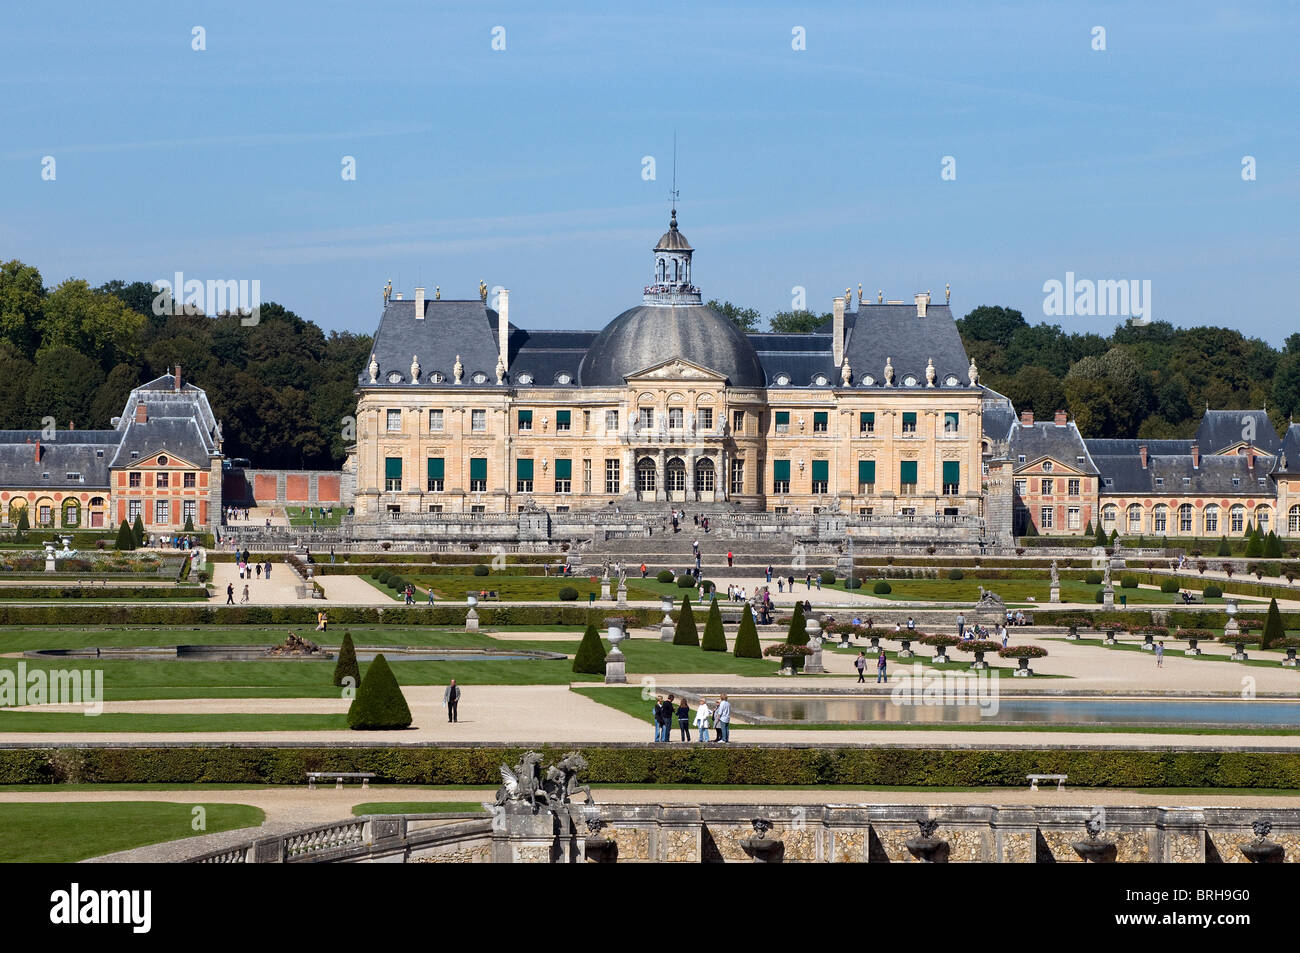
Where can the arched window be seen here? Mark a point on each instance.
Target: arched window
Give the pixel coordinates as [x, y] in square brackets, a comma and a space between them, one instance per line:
[1109, 514]
[645, 475]
[1237, 519]
[17, 506]
[704, 475]
[71, 513]
[1185, 518]
[1263, 519]
[1160, 519]
[1211, 519]
[1135, 518]
[1293, 521]
[675, 478]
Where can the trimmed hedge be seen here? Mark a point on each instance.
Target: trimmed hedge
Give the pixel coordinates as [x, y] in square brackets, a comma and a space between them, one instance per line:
[189, 593]
[882, 588]
[443, 614]
[567, 594]
[648, 764]
[665, 575]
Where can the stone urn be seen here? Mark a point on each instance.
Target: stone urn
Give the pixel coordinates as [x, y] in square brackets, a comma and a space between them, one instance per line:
[597, 848]
[1148, 642]
[1110, 638]
[875, 643]
[1191, 647]
[1093, 849]
[1262, 850]
[762, 847]
[1290, 660]
[1240, 654]
[1073, 634]
[906, 650]
[1023, 670]
[927, 848]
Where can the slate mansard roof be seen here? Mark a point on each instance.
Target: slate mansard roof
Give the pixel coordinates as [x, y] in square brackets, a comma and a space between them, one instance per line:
[647, 335]
[1047, 439]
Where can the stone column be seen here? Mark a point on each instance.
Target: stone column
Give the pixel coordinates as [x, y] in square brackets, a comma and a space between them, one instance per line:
[661, 475]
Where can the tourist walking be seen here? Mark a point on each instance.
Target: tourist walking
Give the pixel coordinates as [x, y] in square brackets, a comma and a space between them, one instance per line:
[451, 701]
[961, 625]
[768, 580]
[230, 594]
[702, 720]
[244, 597]
[881, 662]
[431, 594]
[860, 663]
[684, 720]
[322, 623]
[1160, 655]
[722, 719]
[728, 559]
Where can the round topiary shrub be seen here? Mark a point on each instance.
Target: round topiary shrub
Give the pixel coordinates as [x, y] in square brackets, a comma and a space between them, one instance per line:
[1128, 582]
[853, 582]
[685, 582]
[1169, 585]
[665, 575]
[1098, 597]
[481, 570]
[1093, 578]
[827, 577]
[383, 576]
[882, 588]
[956, 574]
[567, 594]
[1212, 592]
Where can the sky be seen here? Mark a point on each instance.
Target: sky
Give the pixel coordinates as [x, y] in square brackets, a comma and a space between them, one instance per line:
[990, 146]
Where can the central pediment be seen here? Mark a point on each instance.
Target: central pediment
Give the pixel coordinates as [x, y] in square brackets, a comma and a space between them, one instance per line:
[677, 369]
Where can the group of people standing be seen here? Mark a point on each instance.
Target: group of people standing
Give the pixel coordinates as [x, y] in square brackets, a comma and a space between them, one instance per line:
[717, 717]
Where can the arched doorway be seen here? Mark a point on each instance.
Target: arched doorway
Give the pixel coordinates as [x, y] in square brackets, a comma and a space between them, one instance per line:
[96, 511]
[71, 518]
[706, 480]
[645, 479]
[675, 479]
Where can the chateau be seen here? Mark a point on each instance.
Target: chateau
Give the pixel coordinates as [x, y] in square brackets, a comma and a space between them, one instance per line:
[876, 413]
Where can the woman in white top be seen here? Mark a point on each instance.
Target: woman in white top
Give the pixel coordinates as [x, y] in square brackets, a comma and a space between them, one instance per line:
[702, 717]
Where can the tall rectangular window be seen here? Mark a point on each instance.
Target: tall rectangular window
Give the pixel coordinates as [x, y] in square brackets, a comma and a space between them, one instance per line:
[435, 421]
[951, 422]
[393, 420]
[782, 419]
[133, 478]
[738, 421]
[821, 421]
[525, 421]
[392, 474]
[563, 476]
[821, 476]
[164, 480]
[189, 480]
[1072, 518]
[523, 475]
[706, 418]
[909, 421]
[563, 421]
[133, 509]
[586, 421]
[191, 510]
[437, 474]
[951, 477]
[611, 421]
[866, 476]
[478, 420]
[1073, 487]
[675, 418]
[866, 422]
[1046, 487]
[1021, 487]
[161, 511]
[645, 418]
[586, 476]
[780, 476]
[612, 476]
[907, 476]
[1045, 517]
[478, 474]
[737, 477]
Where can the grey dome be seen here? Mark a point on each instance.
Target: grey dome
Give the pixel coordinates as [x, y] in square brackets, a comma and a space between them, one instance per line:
[647, 335]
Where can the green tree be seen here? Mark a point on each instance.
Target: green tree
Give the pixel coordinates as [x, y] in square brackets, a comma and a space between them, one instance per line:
[21, 297]
[590, 657]
[16, 374]
[798, 322]
[798, 632]
[1101, 539]
[1273, 630]
[715, 640]
[63, 386]
[97, 324]
[744, 318]
[125, 538]
[991, 323]
[686, 633]
[346, 666]
[379, 705]
[1272, 546]
[747, 645]
[1224, 548]
[110, 397]
[1255, 547]
[20, 531]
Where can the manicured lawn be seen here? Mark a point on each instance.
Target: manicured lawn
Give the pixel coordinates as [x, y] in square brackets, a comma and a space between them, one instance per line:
[60, 721]
[512, 588]
[1211, 651]
[417, 807]
[300, 516]
[1010, 590]
[66, 833]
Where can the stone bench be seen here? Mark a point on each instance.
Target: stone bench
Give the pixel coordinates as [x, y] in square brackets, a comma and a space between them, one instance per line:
[1035, 778]
[339, 777]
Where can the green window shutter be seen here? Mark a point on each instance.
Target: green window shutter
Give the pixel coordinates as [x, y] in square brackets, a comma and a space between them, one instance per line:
[781, 470]
[563, 417]
[907, 471]
[909, 417]
[564, 469]
[820, 418]
[951, 421]
[524, 469]
[392, 468]
[436, 468]
[866, 471]
[821, 470]
[525, 417]
[951, 471]
[867, 419]
[478, 468]
[783, 418]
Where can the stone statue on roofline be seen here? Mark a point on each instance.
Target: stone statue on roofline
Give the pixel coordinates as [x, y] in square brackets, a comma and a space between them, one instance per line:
[374, 370]
[458, 370]
[889, 372]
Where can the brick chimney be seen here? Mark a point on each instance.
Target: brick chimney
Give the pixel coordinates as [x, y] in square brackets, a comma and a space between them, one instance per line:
[1250, 459]
[1061, 418]
[1026, 418]
[1196, 457]
[177, 385]
[38, 450]
[141, 414]
[1142, 452]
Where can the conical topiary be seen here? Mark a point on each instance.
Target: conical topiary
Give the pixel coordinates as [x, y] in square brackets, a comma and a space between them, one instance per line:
[1272, 546]
[137, 528]
[686, 633]
[747, 637]
[379, 705]
[798, 634]
[1224, 548]
[23, 524]
[125, 538]
[715, 640]
[346, 666]
[189, 525]
[1101, 540]
[590, 658]
[1255, 547]
[1273, 630]
[1114, 535]
[1087, 530]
